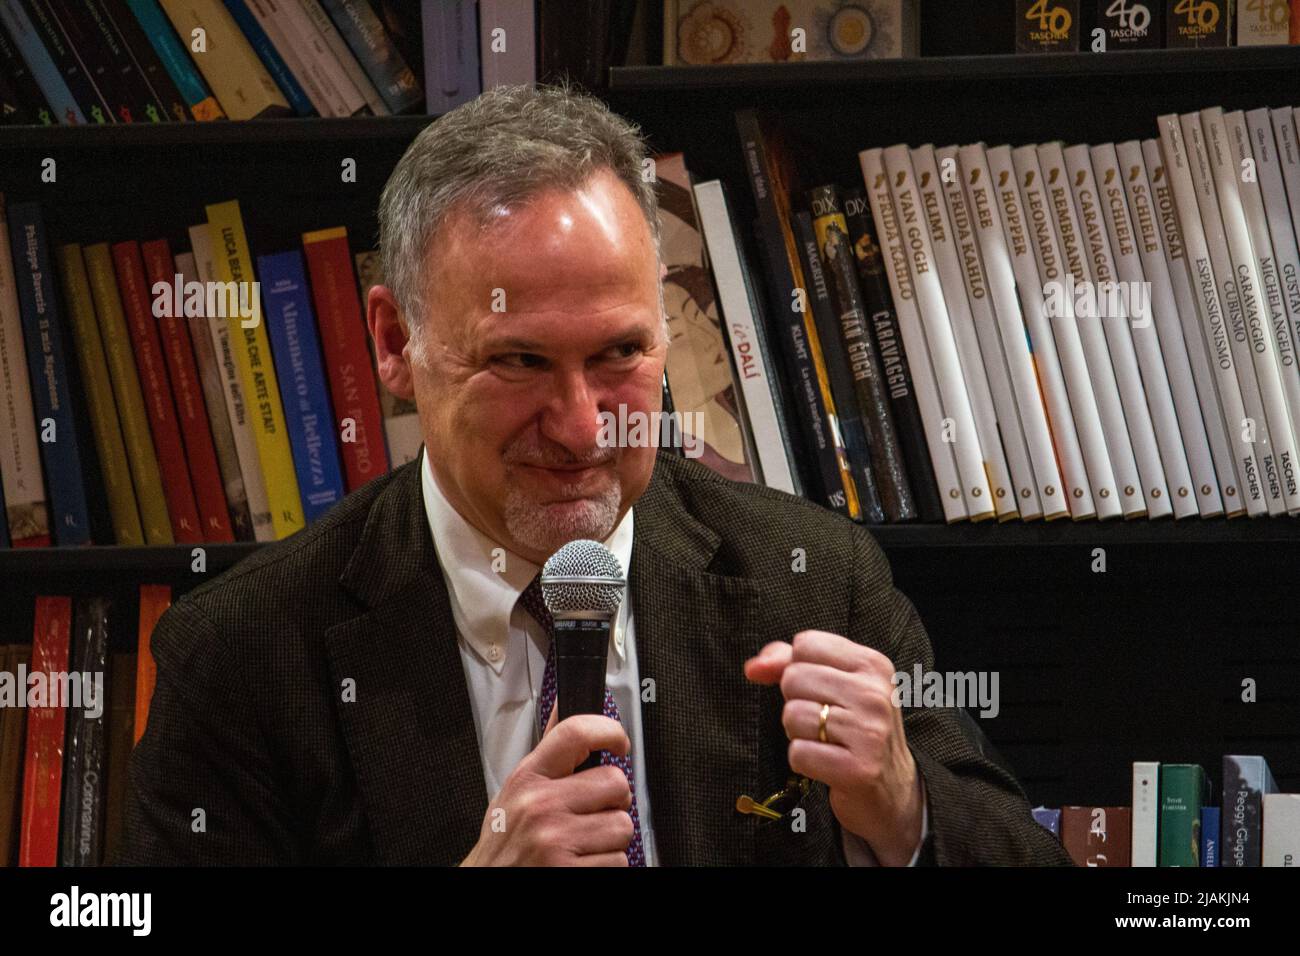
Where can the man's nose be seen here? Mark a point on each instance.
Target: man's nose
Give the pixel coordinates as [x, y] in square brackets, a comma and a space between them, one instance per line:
[570, 418]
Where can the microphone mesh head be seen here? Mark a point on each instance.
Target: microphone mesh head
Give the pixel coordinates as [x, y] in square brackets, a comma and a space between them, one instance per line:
[583, 559]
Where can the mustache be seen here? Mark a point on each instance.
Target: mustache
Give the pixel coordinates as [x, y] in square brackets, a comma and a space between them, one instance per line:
[525, 453]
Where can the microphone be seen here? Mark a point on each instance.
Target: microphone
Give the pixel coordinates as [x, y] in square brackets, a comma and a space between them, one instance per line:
[583, 587]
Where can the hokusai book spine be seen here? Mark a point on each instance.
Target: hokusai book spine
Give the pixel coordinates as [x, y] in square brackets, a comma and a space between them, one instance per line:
[1147, 239]
[292, 329]
[48, 370]
[81, 837]
[43, 765]
[233, 263]
[887, 338]
[836, 250]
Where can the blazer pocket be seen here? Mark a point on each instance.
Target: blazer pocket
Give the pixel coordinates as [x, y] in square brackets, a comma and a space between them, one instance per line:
[810, 838]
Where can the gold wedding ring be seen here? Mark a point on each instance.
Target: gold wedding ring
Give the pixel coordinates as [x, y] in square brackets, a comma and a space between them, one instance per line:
[821, 726]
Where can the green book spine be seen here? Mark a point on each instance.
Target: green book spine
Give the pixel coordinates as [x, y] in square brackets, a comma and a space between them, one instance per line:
[99, 397]
[130, 400]
[1184, 789]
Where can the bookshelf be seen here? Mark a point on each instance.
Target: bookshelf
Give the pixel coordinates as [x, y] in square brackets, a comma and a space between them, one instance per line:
[1143, 661]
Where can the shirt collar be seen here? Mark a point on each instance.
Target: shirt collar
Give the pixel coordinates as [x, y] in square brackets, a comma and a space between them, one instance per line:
[484, 578]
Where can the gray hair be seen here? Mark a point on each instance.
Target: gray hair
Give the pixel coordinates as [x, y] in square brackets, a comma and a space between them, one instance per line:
[496, 152]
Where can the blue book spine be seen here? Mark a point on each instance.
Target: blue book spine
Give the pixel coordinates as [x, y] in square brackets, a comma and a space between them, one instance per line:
[48, 368]
[1209, 836]
[38, 60]
[364, 33]
[451, 74]
[270, 57]
[1049, 819]
[295, 349]
[174, 57]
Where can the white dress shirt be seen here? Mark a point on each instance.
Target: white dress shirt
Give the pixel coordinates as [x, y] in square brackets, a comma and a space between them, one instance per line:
[503, 651]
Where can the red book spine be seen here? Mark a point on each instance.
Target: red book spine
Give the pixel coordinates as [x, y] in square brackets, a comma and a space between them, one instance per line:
[200, 452]
[43, 771]
[347, 360]
[181, 508]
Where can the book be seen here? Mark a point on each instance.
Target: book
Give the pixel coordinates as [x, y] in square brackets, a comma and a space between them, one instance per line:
[81, 836]
[352, 75]
[47, 366]
[27, 517]
[1281, 829]
[1184, 789]
[451, 54]
[275, 53]
[164, 94]
[203, 105]
[233, 263]
[333, 92]
[43, 766]
[1198, 23]
[121, 720]
[29, 104]
[1097, 836]
[292, 329]
[1047, 29]
[99, 49]
[355, 399]
[1209, 836]
[379, 55]
[741, 310]
[402, 431]
[155, 599]
[1246, 780]
[13, 731]
[1144, 846]
[1262, 22]
[46, 23]
[1129, 25]
[507, 38]
[1049, 818]
[49, 79]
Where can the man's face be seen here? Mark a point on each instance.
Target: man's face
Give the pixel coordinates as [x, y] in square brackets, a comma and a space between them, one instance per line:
[534, 327]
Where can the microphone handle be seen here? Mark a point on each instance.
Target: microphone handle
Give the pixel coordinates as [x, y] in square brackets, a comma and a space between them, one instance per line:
[581, 651]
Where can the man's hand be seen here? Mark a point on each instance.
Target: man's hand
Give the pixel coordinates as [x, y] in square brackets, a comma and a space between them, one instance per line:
[547, 815]
[875, 788]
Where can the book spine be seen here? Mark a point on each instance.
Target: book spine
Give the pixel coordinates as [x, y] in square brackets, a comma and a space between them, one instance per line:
[269, 52]
[507, 35]
[355, 400]
[44, 70]
[1271, 303]
[121, 712]
[344, 98]
[163, 101]
[47, 366]
[940, 233]
[170, 452]
[849, 414]
[1183, 792]
[155, 599]
[1083, 248]
[859, 348]
[1145, 844]
[200, 455]
[96, 48]
[1148, 244]
[1281, 840]
[237, 410]
[241, 84]
[34, 108]
[27, 517]
[234, 263]
[1198, 214]
[302, 381]
[1062, 328]
[1148, 402]
[451, 53]
[887, 338]
[379, 56]
[903, 293]
[102, 406]
[140, 455]
[1246, 779]
[1209, 836]
[343, 55]
[43, 773]
[1199, 350]
[82, 837]
[1257, 344]
[214, 401]
[986, 203]
[141, 97]
[94, 106]
[293, 52]
[203, 106]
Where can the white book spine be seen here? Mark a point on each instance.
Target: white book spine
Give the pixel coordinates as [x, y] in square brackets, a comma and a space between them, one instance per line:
[241, 426]
[1164, 312]
[935, 214]
[343, 54]
[989, 340]
[1186, 297]
[1186, 168]
[1288, 154]
[742, 332]
[1136, 338]
[1075, 253]
[1277, 214]
[1092, 489]
[1144, 844]
[903, 291]
[506, 31]
[960, 419]
[1280, 845]
[989, 204]
[310, 49]
[1272, 304]
[289, 52]
[1258, 344]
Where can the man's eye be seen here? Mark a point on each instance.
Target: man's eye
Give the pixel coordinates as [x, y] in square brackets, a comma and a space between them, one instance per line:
[519, 359]
[623, 350]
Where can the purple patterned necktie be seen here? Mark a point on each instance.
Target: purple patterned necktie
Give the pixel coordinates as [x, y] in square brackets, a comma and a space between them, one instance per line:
[536, 606]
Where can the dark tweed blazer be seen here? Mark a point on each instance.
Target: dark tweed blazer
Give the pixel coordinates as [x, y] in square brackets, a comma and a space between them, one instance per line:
[248, 721]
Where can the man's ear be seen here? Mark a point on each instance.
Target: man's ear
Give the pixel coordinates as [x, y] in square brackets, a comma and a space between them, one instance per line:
[390, 337]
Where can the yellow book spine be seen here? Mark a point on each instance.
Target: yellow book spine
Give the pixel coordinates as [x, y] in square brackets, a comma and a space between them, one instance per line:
[233, 263]
[99, 397]
[120, 359]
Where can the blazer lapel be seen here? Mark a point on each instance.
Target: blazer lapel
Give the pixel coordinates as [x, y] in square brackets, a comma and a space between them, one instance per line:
[694, 630]
[410, 730]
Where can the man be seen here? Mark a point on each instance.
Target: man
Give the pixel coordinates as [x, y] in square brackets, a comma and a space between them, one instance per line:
[375, 688]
